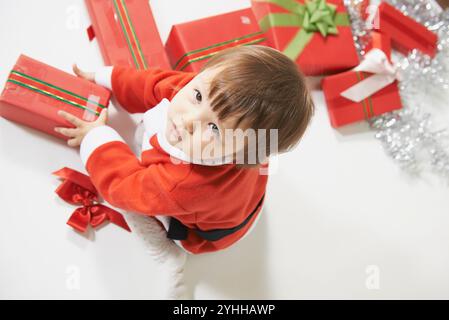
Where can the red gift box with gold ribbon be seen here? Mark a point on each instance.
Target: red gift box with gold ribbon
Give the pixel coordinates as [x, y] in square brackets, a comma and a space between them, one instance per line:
[34, 92]
[342, 110]
[127, 33]
[191, 44]
[315, 33]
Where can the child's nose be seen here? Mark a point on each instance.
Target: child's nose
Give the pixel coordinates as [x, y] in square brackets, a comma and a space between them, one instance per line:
[188, 123]
[192, 120]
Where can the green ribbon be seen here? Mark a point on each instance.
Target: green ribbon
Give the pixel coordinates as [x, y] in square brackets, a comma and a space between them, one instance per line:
[315, 16]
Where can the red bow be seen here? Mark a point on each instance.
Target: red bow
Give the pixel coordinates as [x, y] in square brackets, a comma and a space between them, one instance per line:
[78, 189]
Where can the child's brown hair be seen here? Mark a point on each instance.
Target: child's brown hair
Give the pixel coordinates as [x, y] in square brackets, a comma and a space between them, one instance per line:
[263, 89]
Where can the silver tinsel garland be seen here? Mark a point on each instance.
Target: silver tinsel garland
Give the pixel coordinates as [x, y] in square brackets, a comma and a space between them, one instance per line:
[410, 136]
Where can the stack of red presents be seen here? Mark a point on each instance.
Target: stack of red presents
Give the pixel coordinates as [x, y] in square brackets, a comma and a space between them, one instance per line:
[371, 88]
[314, 33]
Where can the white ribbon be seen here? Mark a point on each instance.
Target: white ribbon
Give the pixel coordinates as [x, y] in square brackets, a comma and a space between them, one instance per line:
[375, 61]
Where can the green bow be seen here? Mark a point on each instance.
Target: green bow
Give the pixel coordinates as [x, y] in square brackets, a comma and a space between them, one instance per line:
[313, 16]
[320, 16]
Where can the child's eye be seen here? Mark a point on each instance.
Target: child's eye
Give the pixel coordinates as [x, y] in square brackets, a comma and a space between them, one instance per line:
[198, 96]
[215, 128]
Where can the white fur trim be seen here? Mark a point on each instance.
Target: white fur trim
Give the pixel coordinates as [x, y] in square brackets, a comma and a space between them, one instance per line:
[95, 138]
[103, 77]
[137, 141]
[155, 121]
[181, 155]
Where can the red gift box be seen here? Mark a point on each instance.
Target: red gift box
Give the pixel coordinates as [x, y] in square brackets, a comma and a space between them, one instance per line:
[380, 41]
[406, 34]
[191, 44]
[294, 27]
[35, 92]
[127, 33]
[343, 111]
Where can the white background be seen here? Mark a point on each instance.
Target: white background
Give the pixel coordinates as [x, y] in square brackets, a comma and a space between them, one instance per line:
[338, 212]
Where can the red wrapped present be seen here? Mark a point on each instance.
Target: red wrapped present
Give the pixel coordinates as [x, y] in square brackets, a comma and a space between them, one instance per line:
[314, 33]
[380, 41]
[35, 92]
[191, 44]
[127, 33]
[367, 91]
[406, 34]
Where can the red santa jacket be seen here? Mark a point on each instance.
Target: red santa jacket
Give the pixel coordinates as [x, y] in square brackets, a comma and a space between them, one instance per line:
[199, 196]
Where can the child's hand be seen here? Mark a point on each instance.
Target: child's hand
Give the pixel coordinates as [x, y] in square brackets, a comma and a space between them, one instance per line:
[82, 74]
[82, 127]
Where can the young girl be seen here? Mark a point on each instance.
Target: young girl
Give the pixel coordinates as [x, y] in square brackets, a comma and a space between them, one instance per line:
[202, 181]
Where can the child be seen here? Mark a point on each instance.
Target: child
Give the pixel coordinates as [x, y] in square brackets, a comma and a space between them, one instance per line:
[203, 196]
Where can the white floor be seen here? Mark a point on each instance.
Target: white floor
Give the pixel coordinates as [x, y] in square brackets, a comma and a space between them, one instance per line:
[341, 220]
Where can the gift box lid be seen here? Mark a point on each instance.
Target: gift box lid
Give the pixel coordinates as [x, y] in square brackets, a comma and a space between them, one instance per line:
[198, 40]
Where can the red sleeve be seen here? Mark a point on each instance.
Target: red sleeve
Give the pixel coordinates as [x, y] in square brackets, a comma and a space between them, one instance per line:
[122, 181]
[140, 90]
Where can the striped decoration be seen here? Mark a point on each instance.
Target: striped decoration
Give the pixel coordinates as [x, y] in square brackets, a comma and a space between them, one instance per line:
[52, 91]
[367, 103]
[130, 35]
[207, 52]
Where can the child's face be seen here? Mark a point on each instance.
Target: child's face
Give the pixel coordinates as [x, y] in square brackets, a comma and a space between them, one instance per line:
[198, 131]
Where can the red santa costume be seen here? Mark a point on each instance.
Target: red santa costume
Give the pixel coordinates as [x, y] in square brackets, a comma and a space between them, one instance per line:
[204, 206]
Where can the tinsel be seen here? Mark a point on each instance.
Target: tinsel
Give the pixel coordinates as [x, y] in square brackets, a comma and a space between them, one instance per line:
[412, 136]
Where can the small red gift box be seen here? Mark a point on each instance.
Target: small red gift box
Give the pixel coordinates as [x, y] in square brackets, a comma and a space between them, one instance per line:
[343, 111]
[35, 92]
[406, 34]
[315, 33]
[127, 33]
[191, 44]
